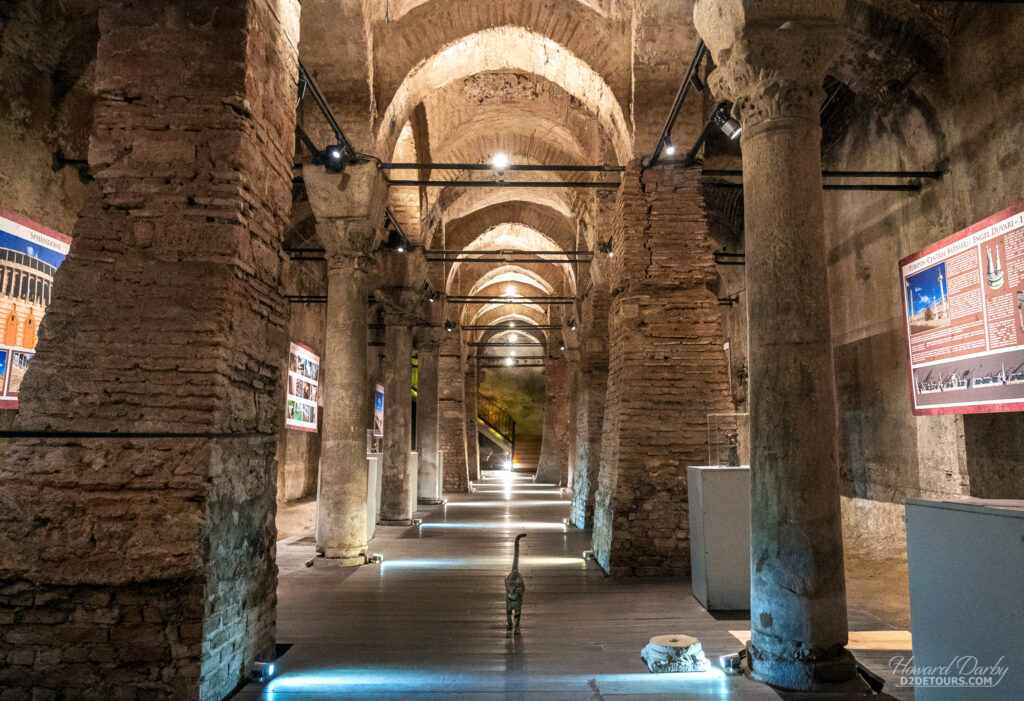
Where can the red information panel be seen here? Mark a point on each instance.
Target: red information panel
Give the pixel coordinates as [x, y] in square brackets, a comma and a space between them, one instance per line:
[963, 306]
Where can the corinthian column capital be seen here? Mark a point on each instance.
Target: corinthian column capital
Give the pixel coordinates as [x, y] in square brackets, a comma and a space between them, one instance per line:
[770, 59]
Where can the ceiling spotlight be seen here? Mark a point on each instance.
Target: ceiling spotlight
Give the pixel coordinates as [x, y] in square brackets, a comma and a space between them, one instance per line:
[670, 149]
[511, 324]
[333, 158]
[510, 291]
[513, 337]
[449, 326]
[606, 247]
[512, 353]
[561, 347]
[500, 161]
[572, 324]
[509, 361]
[724, 121]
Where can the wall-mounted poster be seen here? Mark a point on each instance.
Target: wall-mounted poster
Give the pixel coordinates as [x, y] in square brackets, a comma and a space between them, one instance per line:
[963, 307]
[378, 412]
[29, 256]
[303, 388]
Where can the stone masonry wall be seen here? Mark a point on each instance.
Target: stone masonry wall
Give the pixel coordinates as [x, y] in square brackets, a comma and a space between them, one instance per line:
[667, 371]
[451, 432]
[593, 385]
[553, 467]
[143, 567]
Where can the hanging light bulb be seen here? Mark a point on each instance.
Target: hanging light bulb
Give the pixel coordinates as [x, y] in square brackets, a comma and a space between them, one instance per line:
[500, 161]
[509, 361]
[670, 149]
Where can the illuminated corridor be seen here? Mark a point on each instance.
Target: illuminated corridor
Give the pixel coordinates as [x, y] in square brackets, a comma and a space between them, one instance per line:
[429, 623]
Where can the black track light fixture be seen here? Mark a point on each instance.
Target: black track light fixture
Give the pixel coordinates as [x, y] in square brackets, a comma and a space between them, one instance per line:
[449, 325]
[724, 121]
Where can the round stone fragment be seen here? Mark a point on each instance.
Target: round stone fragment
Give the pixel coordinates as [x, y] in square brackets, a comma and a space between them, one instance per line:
[675, 653]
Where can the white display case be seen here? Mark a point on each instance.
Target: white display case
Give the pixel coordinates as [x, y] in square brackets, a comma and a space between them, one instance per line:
[720, 536]
[729, 439]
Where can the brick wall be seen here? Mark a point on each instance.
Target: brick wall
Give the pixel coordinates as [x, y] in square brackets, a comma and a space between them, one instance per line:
[667, 370]
[142, 568]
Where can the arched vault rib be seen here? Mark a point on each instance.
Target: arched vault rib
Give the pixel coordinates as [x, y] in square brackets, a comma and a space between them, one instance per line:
[515, 237]
[500, 49]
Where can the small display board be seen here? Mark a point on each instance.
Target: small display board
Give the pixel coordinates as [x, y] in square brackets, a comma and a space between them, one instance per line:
[303, 388]
[378, 412]
[963, 307]
[30, 254]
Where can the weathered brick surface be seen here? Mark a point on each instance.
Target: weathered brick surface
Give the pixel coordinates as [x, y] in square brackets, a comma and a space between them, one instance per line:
[554, 455]
[593, 385]
[142, 568]
[470, 389]
[451, 413]
[667, 371]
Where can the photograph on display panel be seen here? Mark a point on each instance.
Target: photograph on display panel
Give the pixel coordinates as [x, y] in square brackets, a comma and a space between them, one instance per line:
[303, 388]
[30, 254]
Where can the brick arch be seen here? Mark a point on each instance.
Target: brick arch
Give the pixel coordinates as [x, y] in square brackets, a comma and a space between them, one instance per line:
[476, 109]
[458, 202]
[501, 49]
[516, 237]
[460, 232]
[515, 274]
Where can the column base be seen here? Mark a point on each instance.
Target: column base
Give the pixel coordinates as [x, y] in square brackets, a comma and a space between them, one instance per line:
[431, 502]
[395, 522]
[329, 559]
[834, 671]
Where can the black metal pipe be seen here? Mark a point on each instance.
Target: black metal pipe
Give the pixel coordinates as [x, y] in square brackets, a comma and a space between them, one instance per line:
[506, 327]
[503, 344]
[515, 251]
[501, 183]
[490, 167]
[868, 187]
[896, 174]
[533, 261]
[325, 109]
[130, 434]
[677, 104]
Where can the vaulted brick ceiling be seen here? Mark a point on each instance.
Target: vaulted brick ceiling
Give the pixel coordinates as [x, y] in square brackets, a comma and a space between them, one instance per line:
[571, 82]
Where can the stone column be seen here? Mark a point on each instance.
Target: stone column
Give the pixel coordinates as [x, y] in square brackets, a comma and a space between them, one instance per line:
[428, 482]
[135, 566]
[590, 410]
[402, 301]
[553, 465]
[771, 66]
[348, 209]
[470, 389]
[572, 443]
[451, 413]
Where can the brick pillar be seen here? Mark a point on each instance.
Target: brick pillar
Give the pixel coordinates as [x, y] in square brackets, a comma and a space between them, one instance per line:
[451, 413]
[667, 370]
[771, 61]
[572, 357]
[469, 402]
[593, 385]
[143, 567]
[553, 466]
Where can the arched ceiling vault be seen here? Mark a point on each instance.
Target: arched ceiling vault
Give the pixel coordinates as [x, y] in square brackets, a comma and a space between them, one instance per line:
[506, 48]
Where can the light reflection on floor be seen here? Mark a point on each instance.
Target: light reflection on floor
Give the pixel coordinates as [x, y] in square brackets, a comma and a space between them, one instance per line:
[499, 525]
[525, 561]
[378, 681]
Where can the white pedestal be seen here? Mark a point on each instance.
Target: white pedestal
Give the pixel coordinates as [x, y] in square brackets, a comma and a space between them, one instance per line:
[720, 536]
[414, 479]
[966, 561]
[372, 493]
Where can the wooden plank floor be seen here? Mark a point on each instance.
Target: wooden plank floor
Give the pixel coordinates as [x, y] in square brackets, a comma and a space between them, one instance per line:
[430, 622]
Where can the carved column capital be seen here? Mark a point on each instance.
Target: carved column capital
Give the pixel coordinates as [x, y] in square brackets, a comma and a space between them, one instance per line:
[770, 59]
[401, 306]
[428, 337]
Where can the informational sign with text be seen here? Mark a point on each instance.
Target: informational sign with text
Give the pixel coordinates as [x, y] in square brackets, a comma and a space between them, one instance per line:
[963, 308]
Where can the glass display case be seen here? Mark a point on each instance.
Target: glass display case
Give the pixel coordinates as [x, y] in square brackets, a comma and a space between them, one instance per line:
[729, 439]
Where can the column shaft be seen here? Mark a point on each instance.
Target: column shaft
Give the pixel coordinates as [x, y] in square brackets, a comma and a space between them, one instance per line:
[396, 482]
[341, 520]
[798, 589]
[429, 481]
